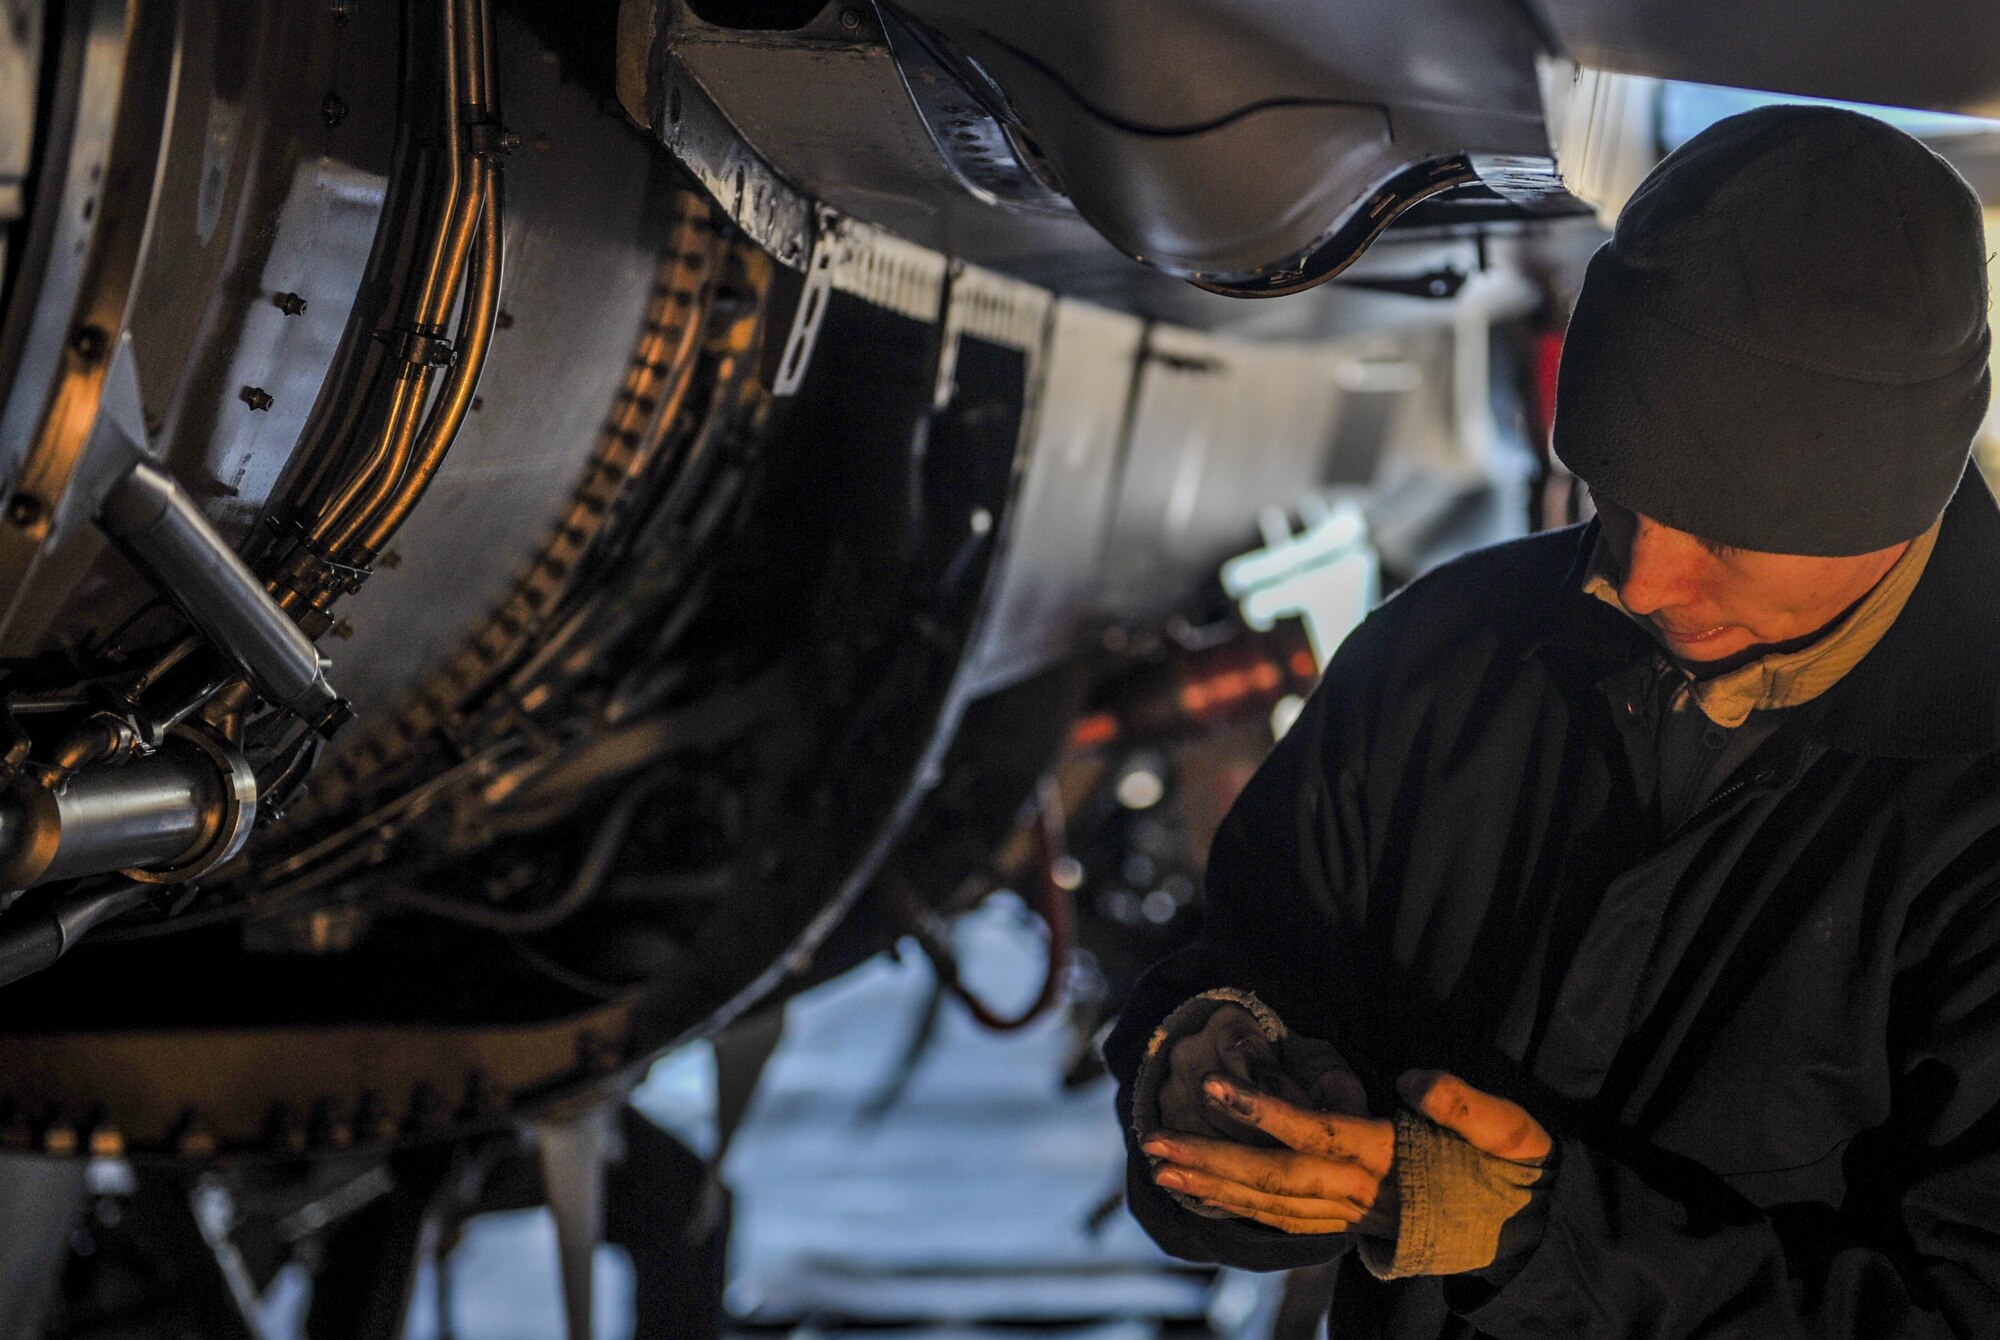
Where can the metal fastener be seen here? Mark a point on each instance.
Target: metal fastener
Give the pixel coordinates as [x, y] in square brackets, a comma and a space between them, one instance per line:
[256, 397]
[291, 304]
[88, 343]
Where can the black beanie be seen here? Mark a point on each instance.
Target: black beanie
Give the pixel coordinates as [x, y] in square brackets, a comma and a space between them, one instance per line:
[1783, 346]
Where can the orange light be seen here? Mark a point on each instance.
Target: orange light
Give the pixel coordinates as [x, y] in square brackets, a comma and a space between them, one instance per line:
[1099, 728]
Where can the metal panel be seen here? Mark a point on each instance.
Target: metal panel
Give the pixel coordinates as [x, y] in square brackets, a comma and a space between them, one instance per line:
[1046, 589]
[1922, 53]
[1219, 430]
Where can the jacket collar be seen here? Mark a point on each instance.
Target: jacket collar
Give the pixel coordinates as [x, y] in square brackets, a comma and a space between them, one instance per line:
[1931, 686]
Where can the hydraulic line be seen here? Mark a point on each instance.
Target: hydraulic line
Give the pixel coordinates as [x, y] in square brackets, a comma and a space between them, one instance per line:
[413, 376]
[380, 495]
[605, 845]
[475, 336]
[34, 938]
[1047, 898]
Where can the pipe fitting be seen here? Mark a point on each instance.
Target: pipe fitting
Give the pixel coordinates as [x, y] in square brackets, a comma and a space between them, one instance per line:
[163, 819]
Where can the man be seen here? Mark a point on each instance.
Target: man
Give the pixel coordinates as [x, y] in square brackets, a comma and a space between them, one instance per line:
[1613, 946]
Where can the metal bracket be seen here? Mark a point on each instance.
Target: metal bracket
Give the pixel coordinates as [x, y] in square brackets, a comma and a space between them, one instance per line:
[807, 317]
[573, 1151]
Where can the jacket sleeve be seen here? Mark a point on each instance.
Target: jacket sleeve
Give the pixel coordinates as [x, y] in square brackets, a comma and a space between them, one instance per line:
[1284, 874]
[1643, 1249]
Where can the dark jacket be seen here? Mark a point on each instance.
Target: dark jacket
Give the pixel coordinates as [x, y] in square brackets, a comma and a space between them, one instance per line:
[1768, 1042]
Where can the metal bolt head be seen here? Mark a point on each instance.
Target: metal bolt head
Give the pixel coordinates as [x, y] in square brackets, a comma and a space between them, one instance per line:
[88, 343]
[291, 304]
[256, 397]
[850, 19]
[25, 510]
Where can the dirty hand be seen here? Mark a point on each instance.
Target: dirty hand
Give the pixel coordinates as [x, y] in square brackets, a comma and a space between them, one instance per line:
[1333, 1171]
[1233, 1046]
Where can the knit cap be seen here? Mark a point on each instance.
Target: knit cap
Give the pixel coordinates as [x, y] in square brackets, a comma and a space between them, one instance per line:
[1783, 347]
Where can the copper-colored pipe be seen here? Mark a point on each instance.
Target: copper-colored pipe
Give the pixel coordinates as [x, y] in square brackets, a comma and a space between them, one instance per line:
[401, 430]
[403, 477]
[481, 306]
[475, 336]
[476, 32]
[439, 271]
[378, 473]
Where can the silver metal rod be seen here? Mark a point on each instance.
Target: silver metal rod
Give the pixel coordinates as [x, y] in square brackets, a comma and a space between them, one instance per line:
[153, 811]
[156, 521]
[33, 938]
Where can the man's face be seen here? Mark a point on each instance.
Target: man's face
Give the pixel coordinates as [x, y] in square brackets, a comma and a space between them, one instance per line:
[1710, 602]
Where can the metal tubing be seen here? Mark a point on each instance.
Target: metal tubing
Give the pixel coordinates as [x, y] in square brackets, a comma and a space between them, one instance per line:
[391, 481]
[410, 385]
[400, 432]
[160, 526]
[371, 486]
[475, 337]
[400, 481]
[34, 938]
[437, 271]
[154, 811]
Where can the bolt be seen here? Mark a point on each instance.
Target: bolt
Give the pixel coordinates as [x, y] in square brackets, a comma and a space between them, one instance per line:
[256, 397]
[25, 511]
[88, 343]
[333, 108]
[291, 304]
[508, 142]
[850, 19]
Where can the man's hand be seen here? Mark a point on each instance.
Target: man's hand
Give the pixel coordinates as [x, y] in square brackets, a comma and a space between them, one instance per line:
[1489, 1124]
[1333, 1171]
[1231, 1045]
